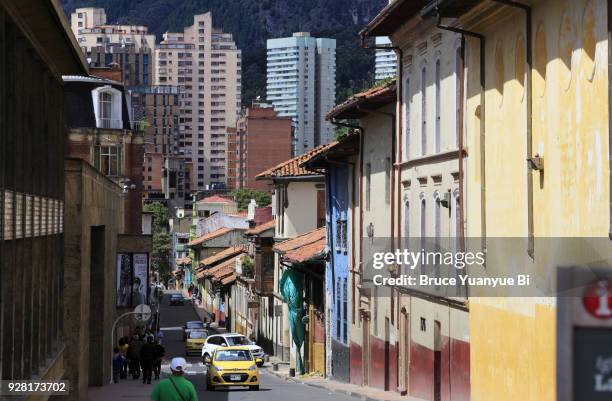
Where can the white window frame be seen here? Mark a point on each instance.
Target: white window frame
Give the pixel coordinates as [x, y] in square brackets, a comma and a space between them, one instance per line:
[116, 119]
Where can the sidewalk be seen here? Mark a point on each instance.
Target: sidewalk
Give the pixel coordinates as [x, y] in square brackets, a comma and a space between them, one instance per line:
[362, 393]
[125, 389]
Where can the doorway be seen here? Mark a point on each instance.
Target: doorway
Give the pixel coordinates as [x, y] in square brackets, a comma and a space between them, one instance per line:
[404, 342]
[437, 361]
[365, 356]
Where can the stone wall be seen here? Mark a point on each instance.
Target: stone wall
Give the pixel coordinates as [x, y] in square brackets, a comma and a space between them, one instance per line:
[92, 220]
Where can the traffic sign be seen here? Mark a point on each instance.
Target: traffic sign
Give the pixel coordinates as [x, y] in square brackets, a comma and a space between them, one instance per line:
[597, 298]
[142, 313]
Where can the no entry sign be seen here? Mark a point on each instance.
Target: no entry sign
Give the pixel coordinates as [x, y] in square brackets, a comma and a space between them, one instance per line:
[597, 298]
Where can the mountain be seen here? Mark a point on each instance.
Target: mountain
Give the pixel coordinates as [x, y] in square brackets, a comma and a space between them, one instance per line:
[253, 21]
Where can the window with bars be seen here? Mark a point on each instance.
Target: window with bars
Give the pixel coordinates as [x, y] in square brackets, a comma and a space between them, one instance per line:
[338, 310]
[423, 112]
[344, 312]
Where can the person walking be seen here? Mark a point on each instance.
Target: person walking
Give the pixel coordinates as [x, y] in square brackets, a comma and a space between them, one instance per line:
[148, 356]
[123, 348]
[134, 356]
[118, 361]
[160, 336]
[159, 353]
[176, 387]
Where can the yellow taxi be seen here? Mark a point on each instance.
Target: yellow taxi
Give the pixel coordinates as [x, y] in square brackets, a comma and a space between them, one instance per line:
[195, 342]
[232, 366]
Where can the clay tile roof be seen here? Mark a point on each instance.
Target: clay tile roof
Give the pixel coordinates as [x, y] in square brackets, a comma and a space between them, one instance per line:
[261, 228]
[211, 235]
[215, 199]
[219, 271]
[229, 279]
[373, 98]
[303, 248]
[293, 167]
[226, 253]
[183, 261]
[316, 250]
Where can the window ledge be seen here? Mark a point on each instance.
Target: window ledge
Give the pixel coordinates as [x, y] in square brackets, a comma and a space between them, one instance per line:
[434, 158]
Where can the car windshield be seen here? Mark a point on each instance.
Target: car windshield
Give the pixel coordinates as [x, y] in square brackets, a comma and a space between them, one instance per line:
[195, 325]
[237, 340]
[233, 356]
[176, 296]
[198, 334]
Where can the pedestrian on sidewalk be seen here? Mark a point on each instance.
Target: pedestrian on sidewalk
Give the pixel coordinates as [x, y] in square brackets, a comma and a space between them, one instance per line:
[134, 356]
[175, 387]
[148, 355]
[160, 351]
[160, 336]
[123, 348]
[118, 361]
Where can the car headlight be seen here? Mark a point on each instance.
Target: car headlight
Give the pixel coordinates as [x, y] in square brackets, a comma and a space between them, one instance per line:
[253, 367]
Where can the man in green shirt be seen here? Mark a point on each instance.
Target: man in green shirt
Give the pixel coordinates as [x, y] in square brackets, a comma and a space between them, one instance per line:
[175, 387]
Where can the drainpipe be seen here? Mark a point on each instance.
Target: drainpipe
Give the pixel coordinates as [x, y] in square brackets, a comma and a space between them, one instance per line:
[361, 131]
[400, 124]
[610, 110]
[529, 58]
[483, 190]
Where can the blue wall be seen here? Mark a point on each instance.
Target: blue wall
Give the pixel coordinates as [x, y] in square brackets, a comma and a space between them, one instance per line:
[337, 271]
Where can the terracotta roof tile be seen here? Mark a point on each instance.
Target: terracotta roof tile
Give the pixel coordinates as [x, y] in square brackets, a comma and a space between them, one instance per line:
[306, 252]
[211, 235]
[261, 228]
[377, 95]
[226, 253]
[229, 279]
[216, 199]
[303, 248]
[292, 167]
[219, 271]
[183, 261]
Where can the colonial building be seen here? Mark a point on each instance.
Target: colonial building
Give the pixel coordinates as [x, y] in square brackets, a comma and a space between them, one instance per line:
[99, 131]
[298, 208]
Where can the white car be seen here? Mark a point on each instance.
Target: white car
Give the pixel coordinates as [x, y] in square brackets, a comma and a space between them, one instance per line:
[230, 340]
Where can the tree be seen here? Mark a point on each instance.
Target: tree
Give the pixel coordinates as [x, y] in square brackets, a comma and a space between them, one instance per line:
[243, 198]
[162, 240]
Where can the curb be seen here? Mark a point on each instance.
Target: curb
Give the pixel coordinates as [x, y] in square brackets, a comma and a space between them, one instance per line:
[350, 393]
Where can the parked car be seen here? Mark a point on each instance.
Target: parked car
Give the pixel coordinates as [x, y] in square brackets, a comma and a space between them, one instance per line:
[217, 341]
[177, 299]
[190, 326]
[195, 341]
[233, 366]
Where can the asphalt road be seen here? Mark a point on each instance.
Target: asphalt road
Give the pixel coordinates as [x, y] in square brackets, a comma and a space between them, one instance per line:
[172, 318]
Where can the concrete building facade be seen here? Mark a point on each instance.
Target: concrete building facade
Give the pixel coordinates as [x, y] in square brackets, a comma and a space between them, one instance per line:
[206, 64]
[157, 110]
[129, 46]
[301, 84]
[258, 130]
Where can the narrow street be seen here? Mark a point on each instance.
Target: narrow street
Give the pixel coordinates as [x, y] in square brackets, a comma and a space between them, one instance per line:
[172, 318]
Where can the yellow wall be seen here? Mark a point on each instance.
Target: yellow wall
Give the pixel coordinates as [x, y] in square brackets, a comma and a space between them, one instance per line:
[513, 339]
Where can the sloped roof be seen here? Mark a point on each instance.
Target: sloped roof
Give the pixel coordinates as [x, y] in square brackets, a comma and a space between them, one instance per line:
[229, 279]
[261, 228]
[213, 234]
[226, 253]
[183, 261]
[293, 167]
[215, 199]
[221, 270]
[303, 248]
[357, 105]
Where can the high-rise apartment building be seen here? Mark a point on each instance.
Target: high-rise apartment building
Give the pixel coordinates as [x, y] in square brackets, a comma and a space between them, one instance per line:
[129, 46]
[259, 141]
[301, 84]
[205, 63]
[385, 62]
[157, 109]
